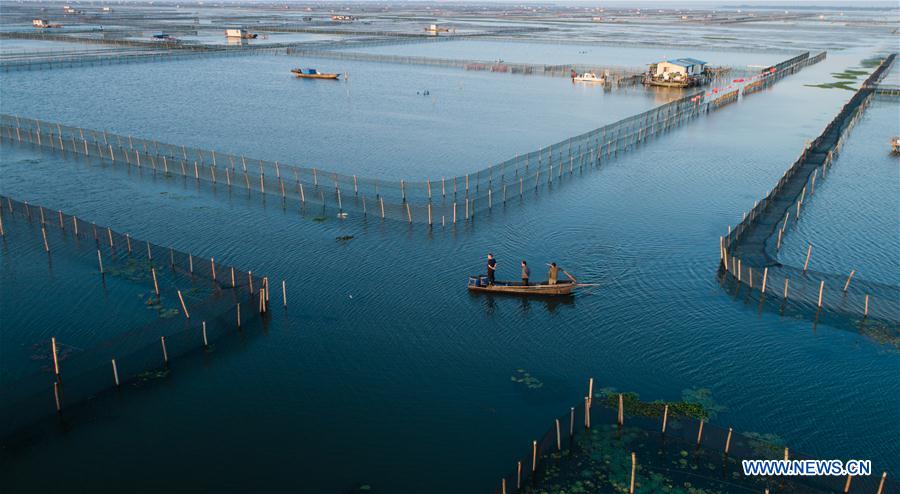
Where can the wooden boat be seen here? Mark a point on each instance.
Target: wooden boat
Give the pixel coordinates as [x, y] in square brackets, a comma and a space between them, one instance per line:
[313, 74]
[562, 288]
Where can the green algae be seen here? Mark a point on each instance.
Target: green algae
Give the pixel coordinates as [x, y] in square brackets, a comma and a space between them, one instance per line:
[695, 403]
[523, 377]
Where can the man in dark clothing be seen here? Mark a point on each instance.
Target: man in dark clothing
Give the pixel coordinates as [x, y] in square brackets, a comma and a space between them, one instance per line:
[525, 273]
[491, 268]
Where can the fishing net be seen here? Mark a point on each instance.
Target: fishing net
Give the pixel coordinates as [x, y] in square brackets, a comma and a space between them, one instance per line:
[749, 251]
[174, 303]
[689, 456]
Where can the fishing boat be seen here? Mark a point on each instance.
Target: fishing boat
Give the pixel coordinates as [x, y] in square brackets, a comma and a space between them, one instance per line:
[562, 288]
[313, 74]
[589, 77]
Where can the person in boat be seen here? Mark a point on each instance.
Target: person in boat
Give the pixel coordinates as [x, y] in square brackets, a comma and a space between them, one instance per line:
[554, 272]
[491, 268]
[525, 273]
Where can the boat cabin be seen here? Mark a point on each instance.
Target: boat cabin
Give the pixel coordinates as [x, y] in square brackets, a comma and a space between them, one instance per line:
[239, 33]
[40, 23]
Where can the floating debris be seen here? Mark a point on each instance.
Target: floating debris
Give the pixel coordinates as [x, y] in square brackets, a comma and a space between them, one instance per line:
[344, 238]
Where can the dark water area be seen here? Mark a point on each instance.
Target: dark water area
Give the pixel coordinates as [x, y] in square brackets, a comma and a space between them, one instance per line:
[384, 371]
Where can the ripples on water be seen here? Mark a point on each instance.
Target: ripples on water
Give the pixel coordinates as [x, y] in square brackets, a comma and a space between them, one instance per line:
[385, 371]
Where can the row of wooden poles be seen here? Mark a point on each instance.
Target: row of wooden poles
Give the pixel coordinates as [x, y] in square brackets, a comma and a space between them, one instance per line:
[731, 262]
[623, 139]
[262, 298]
[620, 421]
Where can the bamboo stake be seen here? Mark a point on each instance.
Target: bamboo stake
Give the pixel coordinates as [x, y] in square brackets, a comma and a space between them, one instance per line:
[155, 285]
[283, 293]
[847, 485]
[162, 340]
[821, 288]
[56, 396]
[44, 234]
[866, 309]
[665, 418]
[590, 390]
[785, 287]
[115, 373]
[55, 355]
[700, 433]
[534, 456]
[633, 468]
[238, 315]
[621, 410]
[587, 414]
[205, 342]
[847, 284]
[571, 421]
[518, 475]
[765, 276]
[187, 315]
[100, 261]
[806, 262]
[558, 440]
[881, 483]
[728, 441]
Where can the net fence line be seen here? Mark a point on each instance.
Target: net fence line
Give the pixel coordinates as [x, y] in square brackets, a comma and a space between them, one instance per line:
[555, 70]
[637, 447]
[443, 201]
[197, 300]
[748, 252]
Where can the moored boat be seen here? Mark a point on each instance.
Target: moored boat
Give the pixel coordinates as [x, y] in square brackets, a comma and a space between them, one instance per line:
[589, 77]
[313, 74]
[479, 283]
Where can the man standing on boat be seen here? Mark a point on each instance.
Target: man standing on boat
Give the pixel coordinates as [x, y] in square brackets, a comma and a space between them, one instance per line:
[491, 268]
[551, 279]
[525, 273]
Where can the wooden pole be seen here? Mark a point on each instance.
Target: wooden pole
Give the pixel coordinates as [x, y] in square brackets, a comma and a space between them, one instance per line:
[100, 261]
[534, 456]
[162, 340]
[238, 315]
[847, 284]
[700, 433]
[785, 287]
[881, 483]
[587, 414]
[503, 486]
[806, 262]
[558, 440]
[212, 267]
[56, 397]
[847, 484]
[283, 293]
[590, 391]
[821, 288]
[728, 441]
[55, 355]
[518, 475]
[633, 468]
[621, 410]
[665, 418]
[205, 342]
[44, 234]
[571, 421]
[115, 373]
[155, 285]
[183, 307]
[866, 309]
[765, 277]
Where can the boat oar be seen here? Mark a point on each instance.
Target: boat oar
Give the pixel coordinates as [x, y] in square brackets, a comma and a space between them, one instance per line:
[570, 276]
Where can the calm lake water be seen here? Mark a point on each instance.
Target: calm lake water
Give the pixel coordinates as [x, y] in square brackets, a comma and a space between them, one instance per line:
[379, 124]
[384, 370]
[852, 220]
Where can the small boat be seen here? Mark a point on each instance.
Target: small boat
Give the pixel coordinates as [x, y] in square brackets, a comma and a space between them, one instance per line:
[313, 74]
[479, 283]
[589, 77]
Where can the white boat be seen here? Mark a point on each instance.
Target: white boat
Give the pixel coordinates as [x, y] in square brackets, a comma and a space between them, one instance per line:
[589, 77]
